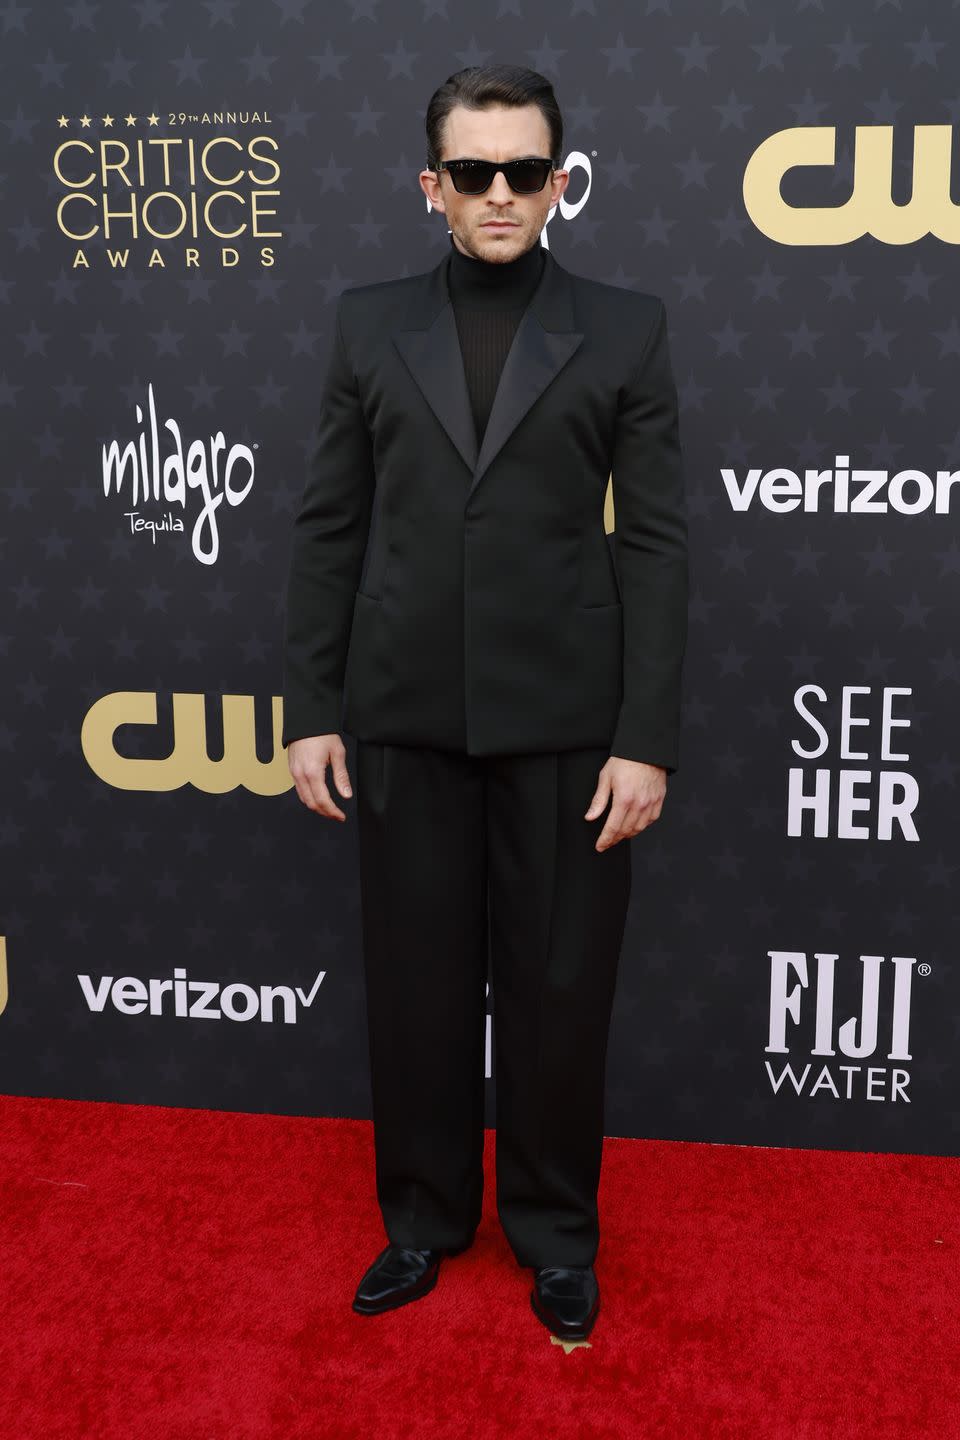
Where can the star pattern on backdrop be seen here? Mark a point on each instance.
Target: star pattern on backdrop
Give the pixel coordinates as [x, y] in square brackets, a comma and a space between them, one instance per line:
[785, 358]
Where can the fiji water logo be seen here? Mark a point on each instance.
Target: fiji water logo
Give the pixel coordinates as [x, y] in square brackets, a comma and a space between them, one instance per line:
[208, 469]
[803, 1009]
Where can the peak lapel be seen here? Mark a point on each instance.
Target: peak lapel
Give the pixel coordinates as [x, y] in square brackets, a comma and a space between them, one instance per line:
[431, 351]
[543, 343]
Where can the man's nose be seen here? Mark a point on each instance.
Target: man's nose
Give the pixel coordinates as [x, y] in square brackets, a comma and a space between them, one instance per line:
[499, 189]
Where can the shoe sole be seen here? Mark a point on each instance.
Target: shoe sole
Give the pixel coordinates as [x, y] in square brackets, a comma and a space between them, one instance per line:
[572, 1332]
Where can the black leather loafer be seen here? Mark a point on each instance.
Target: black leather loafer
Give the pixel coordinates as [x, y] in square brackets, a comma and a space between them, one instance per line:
[398, 1275]
[566, 1298]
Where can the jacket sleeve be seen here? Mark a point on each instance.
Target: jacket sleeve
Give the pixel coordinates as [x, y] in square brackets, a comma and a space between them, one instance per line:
[329, 541]
[650, 546]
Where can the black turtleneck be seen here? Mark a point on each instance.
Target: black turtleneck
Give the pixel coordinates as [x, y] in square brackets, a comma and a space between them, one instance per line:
[488, 301]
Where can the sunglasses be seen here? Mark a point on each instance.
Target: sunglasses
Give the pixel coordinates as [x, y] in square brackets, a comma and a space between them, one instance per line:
[473, 177]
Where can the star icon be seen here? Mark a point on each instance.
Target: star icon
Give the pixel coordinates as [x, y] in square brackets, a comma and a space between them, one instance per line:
[85, 121]
[154, 119]
[62, 121]
[130, 119]
[108, 119]
[569, 1345]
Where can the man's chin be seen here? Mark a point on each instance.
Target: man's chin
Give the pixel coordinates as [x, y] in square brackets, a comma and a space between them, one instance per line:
[499, 242]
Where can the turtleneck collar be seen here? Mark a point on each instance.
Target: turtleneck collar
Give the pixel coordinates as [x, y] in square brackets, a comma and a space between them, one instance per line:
[483, 282]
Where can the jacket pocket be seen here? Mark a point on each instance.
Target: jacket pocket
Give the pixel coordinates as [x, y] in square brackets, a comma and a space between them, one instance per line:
[597, 587]
[371, 585]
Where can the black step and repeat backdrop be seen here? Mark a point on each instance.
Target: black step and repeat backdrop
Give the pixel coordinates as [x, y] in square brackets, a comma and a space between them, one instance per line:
[187, 190]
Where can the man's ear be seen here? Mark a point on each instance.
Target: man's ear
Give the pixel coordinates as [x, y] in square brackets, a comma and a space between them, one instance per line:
[430, 186]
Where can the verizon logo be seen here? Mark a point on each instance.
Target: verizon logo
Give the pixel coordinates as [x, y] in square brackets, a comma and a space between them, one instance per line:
[197, 999]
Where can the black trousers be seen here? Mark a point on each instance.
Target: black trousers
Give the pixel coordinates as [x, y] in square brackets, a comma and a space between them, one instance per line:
[469, 863]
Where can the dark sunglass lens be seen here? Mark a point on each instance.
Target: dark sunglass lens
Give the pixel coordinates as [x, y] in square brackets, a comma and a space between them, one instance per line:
[529, 176]
[473, 177]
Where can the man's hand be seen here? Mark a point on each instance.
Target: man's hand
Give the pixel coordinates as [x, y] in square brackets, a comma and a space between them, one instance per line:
[308, 760]
[638, 790]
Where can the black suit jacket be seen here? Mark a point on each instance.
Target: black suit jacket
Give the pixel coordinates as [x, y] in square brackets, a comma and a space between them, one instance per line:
[467, 600]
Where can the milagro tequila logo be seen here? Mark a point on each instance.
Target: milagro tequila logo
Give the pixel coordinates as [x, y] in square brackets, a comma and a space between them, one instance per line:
[794, 1022]
[210, 468]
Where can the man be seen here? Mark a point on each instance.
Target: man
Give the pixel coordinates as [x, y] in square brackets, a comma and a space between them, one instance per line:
[513, 687]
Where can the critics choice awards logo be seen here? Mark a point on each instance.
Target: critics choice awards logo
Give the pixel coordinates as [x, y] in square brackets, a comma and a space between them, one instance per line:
[188, 194]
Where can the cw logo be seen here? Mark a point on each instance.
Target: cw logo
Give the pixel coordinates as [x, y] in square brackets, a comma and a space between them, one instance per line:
[870, 209]
[188, 762]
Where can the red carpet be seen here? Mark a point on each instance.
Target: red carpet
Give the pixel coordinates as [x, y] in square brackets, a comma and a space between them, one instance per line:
[187, 1275]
